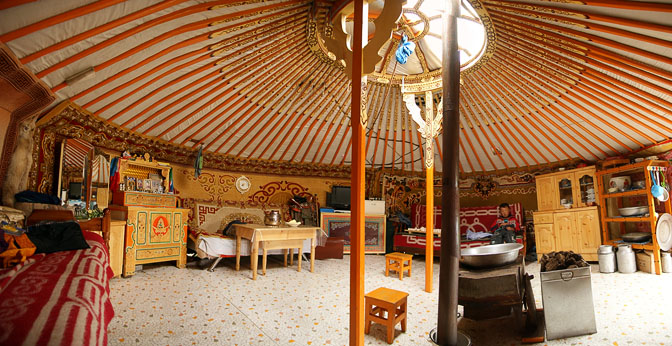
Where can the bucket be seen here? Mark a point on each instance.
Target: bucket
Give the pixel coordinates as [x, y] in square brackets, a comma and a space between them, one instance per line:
[607, 259]
[625, 258]
[666, 261]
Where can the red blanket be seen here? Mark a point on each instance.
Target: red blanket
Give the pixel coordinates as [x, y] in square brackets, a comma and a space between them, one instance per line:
[62, 298]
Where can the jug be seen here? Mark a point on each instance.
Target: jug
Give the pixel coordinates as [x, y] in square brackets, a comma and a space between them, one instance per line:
[272, 218]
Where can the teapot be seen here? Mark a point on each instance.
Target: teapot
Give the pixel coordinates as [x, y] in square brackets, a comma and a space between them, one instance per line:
[272, 218]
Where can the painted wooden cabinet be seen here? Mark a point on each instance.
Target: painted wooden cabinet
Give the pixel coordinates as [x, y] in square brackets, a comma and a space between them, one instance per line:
[153, 235]
[155, 230]
[568, 219]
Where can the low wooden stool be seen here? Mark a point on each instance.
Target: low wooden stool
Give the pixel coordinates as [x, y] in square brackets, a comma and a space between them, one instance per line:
[391, 301]
[396, 261]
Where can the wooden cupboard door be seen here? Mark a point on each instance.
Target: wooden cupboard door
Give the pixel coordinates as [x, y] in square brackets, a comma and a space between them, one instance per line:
[543, 233]
[546, 193]
[564, 226]
[588, 231]
[564, 186]
[585, 189]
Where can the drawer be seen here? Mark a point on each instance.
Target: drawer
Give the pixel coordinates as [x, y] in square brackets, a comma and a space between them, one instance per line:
[543, 217]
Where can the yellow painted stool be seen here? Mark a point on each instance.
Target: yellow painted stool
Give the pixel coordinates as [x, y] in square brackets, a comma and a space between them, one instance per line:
[390, 301]
[396, 261]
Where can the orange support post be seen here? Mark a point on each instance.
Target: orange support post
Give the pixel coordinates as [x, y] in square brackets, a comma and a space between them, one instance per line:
[357, 179]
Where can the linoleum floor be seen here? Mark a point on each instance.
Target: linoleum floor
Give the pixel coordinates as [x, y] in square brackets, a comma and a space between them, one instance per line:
[164, 305]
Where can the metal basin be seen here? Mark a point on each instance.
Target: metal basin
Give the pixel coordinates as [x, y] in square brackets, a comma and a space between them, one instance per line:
[490, 255]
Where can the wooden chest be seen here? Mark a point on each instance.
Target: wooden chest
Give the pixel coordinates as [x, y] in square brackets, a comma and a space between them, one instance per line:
[153, 235]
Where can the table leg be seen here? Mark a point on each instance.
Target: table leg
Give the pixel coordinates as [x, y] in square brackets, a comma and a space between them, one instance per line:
[291, 257]
[284, 252]
[263, 265]
[403, 321]
[401, 269]
[255, 259]
[300, 255]
[387, 267]
[238, 253]
[312, 255]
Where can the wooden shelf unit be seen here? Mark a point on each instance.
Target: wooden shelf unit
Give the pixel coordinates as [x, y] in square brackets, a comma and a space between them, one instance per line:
[563, 229]
[603, 178]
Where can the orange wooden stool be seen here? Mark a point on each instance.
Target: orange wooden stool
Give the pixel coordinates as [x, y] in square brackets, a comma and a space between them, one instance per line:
[396, 261]
[391, 301]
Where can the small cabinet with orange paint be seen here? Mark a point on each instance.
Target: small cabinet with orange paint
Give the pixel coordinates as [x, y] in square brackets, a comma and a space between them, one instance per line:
[152, 235]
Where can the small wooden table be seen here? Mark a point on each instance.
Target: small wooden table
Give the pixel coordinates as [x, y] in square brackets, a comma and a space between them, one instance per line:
[278, 237]
[393, 302]
[396, 261]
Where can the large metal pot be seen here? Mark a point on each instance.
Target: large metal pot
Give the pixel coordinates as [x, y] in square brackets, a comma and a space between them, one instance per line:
[272, 218]
[490, 255]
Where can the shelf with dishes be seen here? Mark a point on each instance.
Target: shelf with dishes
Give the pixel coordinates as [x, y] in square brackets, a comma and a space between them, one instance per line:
[637, 246]
[634, 201]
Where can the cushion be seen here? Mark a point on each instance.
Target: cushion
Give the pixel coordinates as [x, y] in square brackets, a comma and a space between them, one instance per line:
[57, 236]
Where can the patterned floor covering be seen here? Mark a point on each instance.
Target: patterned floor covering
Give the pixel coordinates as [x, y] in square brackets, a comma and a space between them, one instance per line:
[163, 305]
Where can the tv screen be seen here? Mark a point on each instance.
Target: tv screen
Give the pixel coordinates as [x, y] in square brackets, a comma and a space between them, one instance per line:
[340, 197]
[75, 191]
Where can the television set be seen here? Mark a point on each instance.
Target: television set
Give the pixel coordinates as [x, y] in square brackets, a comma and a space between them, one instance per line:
[340, 197]
[75, 191]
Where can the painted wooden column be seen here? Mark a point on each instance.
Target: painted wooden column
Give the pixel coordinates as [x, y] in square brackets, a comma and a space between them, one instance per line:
[357, 176]
[450, 235]
[429, 246]
[429, 183]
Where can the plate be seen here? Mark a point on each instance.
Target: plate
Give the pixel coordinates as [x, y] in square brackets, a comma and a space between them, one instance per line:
[664, 232]
[242, 184]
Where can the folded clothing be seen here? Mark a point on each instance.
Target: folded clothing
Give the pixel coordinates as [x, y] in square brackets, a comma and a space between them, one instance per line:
[57, 236]
[36, 197]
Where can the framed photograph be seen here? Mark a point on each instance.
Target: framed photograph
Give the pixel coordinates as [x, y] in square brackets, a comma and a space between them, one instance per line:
[338, 225]
[147, 185]
[139, 185]
[131, 184]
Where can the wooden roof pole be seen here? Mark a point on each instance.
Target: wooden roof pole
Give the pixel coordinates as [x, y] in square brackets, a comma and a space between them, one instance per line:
[472, 129]
[313, 119]
[357, 177]
[450, 230]
[271, 26]
[489, 92]
[584, 81]
[542, 88]
[560, 84]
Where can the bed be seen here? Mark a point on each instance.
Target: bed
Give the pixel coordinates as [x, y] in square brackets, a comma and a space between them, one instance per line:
[475, 219]
[205, 231]
[60, 298]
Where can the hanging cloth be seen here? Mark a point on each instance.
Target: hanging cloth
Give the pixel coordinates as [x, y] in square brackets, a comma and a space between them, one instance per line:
[170, 181]
[198, 164]
[404, 50]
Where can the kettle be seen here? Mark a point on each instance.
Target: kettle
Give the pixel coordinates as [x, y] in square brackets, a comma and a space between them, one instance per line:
[272, 218]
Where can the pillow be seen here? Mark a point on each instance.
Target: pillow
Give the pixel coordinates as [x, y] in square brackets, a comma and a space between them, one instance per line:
[57, 236]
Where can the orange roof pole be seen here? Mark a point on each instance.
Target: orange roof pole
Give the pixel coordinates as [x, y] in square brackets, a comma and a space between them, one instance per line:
[357, 178]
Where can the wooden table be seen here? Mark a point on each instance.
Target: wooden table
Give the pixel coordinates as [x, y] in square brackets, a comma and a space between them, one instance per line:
[278, 237]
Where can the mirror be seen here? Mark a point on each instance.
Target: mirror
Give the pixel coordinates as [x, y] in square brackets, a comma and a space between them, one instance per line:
[84, 175]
